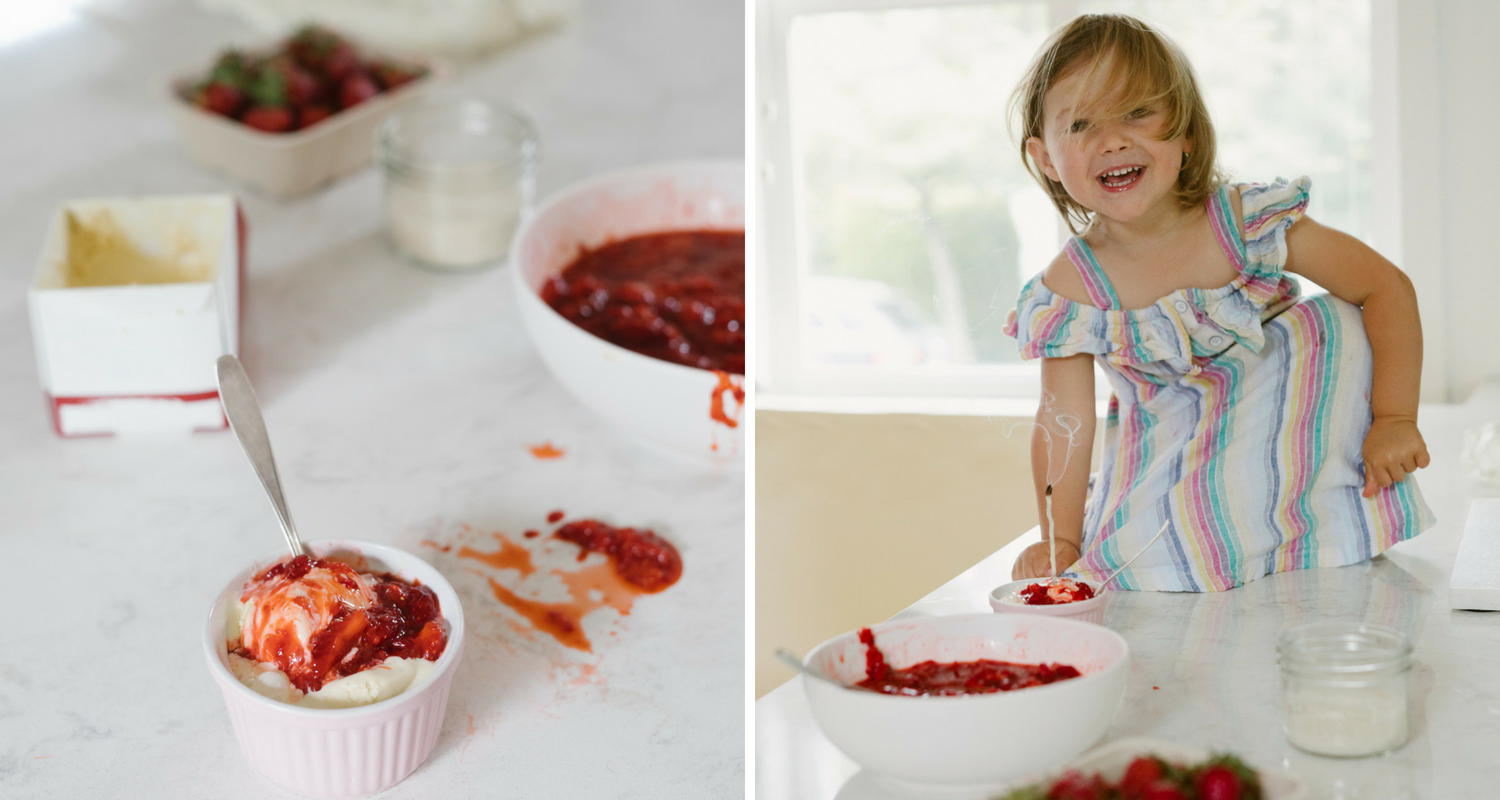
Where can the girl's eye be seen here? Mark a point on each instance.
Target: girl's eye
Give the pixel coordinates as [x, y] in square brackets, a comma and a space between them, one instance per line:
[1078, 126]
[1140, 113]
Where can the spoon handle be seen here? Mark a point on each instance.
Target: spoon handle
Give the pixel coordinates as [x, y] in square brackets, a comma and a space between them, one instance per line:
[1117, 572]
[796, 663]
[247, 423]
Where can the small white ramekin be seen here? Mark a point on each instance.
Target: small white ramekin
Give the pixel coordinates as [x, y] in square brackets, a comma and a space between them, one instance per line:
[344, 752]
[1091, 610]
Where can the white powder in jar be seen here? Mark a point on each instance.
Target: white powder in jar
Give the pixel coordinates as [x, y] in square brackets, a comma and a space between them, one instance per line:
[1345, 721]
[453, 226]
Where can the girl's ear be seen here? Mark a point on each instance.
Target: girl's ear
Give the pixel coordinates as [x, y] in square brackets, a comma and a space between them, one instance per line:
[1037, 149]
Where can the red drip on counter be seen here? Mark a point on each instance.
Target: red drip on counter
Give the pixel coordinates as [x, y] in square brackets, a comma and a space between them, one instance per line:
[948, 679]
[360, 621]
[677, 296]
[642, 559]
[1061, 590]
[716, 403]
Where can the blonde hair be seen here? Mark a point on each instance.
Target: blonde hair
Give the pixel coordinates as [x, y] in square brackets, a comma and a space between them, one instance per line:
[1154, 70]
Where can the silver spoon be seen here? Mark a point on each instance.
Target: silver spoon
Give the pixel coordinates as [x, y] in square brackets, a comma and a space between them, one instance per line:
[795, 663]
[1117, 572]
[245, 420]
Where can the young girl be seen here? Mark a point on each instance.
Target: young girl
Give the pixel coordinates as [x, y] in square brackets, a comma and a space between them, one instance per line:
[1265, 431]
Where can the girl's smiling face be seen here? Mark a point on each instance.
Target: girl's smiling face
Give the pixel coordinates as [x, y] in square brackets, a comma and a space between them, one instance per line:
[1115, 165]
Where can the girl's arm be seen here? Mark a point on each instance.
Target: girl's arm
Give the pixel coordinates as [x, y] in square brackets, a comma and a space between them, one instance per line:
[1067, 412]
[1353, 272]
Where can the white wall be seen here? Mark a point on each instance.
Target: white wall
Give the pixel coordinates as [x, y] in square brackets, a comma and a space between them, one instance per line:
[1468, 150]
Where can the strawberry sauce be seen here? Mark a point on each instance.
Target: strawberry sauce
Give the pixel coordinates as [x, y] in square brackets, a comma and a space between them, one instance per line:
[1061, 590]
[677, 296]
[965, 677]
[642, 559]
[356, 621]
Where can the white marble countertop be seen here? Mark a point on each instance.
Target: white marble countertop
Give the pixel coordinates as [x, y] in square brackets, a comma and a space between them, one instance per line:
[1214, 658]
[401, 405]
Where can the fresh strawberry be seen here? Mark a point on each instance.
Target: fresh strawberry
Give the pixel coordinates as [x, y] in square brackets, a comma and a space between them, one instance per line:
[322, 50]
[312, 115]
[1164, 790]
[299, 85]
[1141, 773]
[223, 98]
[1074, 786]
[1217, 783]
[356, 89]
[271, 119]
[341, 63]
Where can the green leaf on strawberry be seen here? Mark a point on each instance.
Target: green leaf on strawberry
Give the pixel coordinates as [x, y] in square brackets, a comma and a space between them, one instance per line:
[234, 68]
[267, 88]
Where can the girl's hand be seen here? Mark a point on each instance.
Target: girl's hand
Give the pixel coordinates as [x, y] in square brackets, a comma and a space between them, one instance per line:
[1036, 560]
[1393, 449]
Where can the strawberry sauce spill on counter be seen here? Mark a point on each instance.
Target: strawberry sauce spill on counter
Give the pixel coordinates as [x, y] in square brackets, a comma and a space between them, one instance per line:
[948, 679]
[642, 559]
[357, 621]
[640, 562]
[677, 296]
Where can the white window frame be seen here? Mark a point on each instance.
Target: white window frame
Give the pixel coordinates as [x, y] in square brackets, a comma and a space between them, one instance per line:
[1406, 205]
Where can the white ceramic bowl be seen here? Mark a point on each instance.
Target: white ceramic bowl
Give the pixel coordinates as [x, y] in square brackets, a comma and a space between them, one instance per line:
[970, 741]
[1091, 610]
[660, 401]
[345, 752]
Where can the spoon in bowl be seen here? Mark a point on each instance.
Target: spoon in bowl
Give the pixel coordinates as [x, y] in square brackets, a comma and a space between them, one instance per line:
[247, 423]
[795, 663]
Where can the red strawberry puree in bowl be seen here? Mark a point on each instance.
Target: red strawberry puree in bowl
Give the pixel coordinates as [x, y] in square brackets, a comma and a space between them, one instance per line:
[982, 676]
[376, 633]
[678, 296]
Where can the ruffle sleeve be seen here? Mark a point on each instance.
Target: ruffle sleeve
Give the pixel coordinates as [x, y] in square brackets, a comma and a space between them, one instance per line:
[1047, 325]
[1268, 210]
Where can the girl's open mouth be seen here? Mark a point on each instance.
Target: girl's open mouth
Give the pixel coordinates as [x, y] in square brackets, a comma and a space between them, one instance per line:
[1122, 179]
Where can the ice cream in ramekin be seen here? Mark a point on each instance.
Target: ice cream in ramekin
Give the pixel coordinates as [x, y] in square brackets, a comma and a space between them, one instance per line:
[310, 747]
[322, 634]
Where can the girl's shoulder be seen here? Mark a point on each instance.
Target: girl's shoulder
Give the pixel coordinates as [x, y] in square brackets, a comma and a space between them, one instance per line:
[1062, 278]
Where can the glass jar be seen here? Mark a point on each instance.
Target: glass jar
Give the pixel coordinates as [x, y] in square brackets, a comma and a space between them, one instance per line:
[1345, 688]
[459, 176]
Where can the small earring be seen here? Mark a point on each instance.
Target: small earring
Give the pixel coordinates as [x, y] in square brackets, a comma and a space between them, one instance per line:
[1185, 158]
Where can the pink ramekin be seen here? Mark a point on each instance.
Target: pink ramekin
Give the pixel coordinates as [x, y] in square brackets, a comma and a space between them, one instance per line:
[344, 752]
[1091, 610]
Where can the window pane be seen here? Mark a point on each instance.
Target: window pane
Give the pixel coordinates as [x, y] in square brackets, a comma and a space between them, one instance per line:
[918, 221]
[1288, 87]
